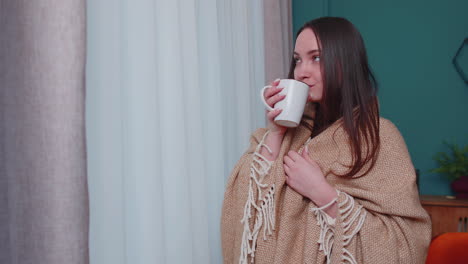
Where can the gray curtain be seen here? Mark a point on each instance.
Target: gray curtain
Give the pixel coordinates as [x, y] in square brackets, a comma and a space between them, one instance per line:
[43, 187]
[277, 16]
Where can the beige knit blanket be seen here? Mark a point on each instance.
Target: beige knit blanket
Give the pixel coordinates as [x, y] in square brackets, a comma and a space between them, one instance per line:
[380, 218]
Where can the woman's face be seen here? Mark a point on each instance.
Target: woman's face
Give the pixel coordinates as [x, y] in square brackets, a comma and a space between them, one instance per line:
[307, 57]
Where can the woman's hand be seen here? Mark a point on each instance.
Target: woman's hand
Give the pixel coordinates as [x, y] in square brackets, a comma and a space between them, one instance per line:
[305, 176]
[276, 134]
[272, 96]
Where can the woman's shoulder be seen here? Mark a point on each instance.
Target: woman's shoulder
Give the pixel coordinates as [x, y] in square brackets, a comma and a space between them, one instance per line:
[390, 134]
[388, 127]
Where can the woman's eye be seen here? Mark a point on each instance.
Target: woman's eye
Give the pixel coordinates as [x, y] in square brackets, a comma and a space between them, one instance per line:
[316, 58]
[297, 60]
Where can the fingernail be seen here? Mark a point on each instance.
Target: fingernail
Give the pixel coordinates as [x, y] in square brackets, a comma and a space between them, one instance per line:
[276, 80]
[307, 149]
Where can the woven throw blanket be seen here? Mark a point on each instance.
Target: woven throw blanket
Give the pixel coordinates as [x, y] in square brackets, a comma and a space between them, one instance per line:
[380, 218]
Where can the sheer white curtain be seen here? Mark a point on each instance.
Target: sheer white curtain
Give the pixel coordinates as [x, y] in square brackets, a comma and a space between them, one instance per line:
[172, 96]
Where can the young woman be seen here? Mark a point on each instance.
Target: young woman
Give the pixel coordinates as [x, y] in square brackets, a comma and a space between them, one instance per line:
[340, 188]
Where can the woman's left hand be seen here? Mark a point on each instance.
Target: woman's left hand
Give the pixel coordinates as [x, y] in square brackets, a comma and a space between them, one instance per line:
[305, 176]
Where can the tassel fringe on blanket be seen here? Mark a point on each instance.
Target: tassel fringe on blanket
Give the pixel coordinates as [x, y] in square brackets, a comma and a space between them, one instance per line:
[264, 205]
[327, 225]
[265, 210]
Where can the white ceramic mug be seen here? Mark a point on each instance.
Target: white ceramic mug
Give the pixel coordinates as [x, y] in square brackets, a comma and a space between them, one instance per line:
[293, 104]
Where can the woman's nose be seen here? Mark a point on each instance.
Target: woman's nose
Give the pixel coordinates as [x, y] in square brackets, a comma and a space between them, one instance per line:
[302, 72]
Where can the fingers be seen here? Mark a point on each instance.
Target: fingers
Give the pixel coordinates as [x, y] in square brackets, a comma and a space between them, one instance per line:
[287, 161]
[274, 89]
[291, 158]
[272, 114]
[287, 172]
[271, 101]
[305, 153]
[306, 156]
[286, 169]
[294, 155]
[272, 95]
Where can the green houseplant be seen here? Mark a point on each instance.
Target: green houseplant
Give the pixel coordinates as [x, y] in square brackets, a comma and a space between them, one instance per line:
[454, 166]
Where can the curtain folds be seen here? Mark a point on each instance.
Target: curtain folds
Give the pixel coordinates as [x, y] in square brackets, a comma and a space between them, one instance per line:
[172, 97]
[277, 18]
[43, 183]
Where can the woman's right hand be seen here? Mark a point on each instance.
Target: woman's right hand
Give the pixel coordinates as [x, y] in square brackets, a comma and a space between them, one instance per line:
[276, 134]
[272, 96]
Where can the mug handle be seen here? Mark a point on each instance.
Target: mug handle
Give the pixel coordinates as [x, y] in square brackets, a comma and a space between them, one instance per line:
[262, 96]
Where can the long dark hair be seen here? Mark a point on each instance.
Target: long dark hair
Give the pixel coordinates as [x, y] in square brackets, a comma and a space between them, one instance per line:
[349, 89]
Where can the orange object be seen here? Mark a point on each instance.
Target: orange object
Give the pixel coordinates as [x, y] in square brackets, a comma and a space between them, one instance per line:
[449, 248]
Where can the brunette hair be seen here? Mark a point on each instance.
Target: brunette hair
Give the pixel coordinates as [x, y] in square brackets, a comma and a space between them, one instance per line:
[350, 89]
